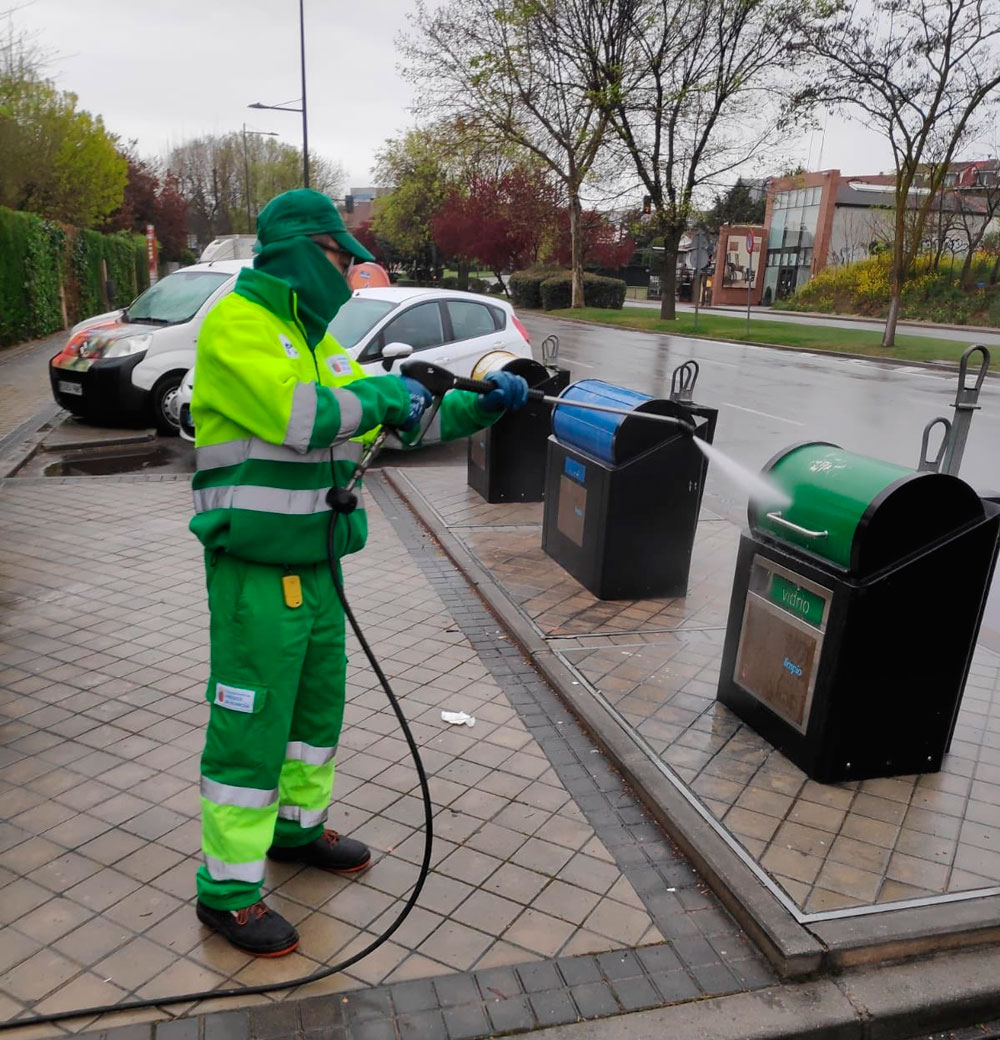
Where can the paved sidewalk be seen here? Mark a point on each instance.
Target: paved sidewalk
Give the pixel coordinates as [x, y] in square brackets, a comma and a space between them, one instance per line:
[554, 897]
[24, 380]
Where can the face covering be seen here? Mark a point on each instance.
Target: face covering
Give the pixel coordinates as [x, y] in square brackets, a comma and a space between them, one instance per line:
[320, 287]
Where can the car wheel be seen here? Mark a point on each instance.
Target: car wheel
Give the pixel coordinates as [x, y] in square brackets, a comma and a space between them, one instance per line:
[166, 405]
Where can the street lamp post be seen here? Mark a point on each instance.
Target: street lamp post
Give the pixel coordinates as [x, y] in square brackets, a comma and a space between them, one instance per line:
[288, 108]
[246, 168]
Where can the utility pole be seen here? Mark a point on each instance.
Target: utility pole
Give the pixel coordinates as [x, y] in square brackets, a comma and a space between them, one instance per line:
[247, 190]
[305, 127]
[246, 180]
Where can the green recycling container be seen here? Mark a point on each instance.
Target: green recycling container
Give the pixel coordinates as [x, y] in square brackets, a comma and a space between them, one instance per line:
[855, 610]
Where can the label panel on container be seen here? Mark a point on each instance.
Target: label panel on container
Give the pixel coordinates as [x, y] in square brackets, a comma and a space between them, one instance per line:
[572, 512]
[797, 600]
[477, 450]
[576, 470]
[776, 661]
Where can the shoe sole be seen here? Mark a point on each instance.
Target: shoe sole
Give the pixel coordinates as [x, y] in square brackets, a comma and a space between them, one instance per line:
[348, 870]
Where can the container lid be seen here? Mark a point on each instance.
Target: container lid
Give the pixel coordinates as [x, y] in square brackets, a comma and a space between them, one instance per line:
[608, 436]
[859, 513]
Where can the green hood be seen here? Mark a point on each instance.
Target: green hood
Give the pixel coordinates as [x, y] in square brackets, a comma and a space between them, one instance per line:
[319, 286]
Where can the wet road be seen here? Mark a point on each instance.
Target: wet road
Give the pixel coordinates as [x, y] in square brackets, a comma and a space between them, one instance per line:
[770, 399]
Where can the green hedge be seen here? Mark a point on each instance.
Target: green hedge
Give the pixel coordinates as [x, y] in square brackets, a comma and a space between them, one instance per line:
[607, 293]
[38, 258]
[31, 253]
[526, 286]
[551, 288]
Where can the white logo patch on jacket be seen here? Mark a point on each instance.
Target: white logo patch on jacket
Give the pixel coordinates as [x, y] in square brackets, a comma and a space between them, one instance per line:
[234, 698]
[288, 346]
[339, 366]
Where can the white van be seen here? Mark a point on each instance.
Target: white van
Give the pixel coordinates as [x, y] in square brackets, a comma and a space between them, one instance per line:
[126, 366]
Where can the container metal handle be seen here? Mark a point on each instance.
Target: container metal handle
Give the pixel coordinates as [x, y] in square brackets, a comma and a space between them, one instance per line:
[779, 519]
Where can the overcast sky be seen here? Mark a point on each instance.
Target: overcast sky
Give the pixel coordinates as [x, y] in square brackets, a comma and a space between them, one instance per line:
[162, 72]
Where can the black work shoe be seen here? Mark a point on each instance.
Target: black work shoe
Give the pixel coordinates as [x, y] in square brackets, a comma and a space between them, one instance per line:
[332, 851]
[256, 929]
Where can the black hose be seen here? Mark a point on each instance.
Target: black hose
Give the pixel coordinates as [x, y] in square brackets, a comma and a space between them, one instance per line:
[239, 991]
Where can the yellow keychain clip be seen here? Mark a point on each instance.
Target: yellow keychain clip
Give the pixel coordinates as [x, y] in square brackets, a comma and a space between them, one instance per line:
[292, 587]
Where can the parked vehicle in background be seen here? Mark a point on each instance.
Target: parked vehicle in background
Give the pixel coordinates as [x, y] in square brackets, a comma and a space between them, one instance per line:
[126, 366]
[449, 328]
[228, 247]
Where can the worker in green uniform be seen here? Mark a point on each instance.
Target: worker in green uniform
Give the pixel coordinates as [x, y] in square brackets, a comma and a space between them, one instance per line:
[281, 414]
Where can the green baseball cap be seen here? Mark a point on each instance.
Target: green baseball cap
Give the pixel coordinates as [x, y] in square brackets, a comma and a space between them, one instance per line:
[301, 213]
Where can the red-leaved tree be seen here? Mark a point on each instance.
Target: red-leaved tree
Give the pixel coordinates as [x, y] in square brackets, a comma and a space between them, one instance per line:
[501, 223]
[150, 200]
[605, 245]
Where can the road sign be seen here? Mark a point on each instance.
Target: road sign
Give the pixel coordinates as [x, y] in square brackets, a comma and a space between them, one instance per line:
[749, 241]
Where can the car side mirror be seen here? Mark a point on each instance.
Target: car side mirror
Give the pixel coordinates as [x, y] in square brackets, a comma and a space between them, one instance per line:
[395, 352]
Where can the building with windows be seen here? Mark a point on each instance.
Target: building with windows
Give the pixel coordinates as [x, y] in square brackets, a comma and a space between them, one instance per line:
[822, 217]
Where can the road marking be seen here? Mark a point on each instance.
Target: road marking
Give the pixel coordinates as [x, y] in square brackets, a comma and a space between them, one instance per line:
[767, 415]
[573, 361]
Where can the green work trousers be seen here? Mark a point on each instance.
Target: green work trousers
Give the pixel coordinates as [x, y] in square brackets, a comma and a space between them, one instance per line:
[276, 691]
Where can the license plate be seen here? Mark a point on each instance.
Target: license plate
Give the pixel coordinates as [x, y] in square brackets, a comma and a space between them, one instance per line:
[71, 388]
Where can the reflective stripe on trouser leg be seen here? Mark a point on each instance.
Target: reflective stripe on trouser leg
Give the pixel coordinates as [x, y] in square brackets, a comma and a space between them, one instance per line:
[258, 646]
[306, 781]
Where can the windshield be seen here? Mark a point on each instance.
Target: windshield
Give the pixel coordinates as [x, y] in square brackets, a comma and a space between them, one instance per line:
[176, 298]
[357, 318]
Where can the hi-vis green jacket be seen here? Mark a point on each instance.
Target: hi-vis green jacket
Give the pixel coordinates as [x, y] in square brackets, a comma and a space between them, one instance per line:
[267, 411]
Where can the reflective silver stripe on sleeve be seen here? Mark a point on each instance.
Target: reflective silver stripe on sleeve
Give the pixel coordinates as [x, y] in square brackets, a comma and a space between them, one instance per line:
[245, 797]
[213, 498]
[300, 751]
[302, 418]
[262, 500]
[232, 453]
[303, 817]
[220, 871]
[350, 412]
[215, 456]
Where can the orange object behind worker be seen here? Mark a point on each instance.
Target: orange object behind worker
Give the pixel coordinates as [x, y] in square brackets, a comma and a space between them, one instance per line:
[368, 276]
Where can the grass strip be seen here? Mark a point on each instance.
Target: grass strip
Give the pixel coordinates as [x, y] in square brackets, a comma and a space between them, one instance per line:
[802, 336]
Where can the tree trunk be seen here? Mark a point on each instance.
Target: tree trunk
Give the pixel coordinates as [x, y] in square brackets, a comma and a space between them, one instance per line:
[995, 273]
[895, 302]
[576, 248]
[668, 276]
[463, 275]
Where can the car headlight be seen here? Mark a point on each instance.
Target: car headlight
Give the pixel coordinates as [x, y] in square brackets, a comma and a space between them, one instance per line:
[127, 345]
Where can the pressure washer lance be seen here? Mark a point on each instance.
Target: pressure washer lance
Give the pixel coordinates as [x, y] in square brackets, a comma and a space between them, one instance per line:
[439, 380]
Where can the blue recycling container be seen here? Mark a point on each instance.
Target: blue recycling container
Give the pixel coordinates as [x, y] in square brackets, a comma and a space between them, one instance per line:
[622, 493]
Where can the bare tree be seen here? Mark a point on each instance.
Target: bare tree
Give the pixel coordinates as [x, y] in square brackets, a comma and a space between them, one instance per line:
[923, 73]
[512, 69]
[701, 90]
[975, 220]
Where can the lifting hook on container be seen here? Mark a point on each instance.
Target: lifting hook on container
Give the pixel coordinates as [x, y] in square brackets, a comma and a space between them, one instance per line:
[926, 463]
[949, 456]
[682, 382]
[550, 350]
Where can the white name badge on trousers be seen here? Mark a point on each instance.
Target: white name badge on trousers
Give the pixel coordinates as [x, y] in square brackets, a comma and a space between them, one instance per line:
[234, 698]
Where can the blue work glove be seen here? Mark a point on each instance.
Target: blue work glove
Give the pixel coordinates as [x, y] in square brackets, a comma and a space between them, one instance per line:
[511, 392]
[420, 399]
